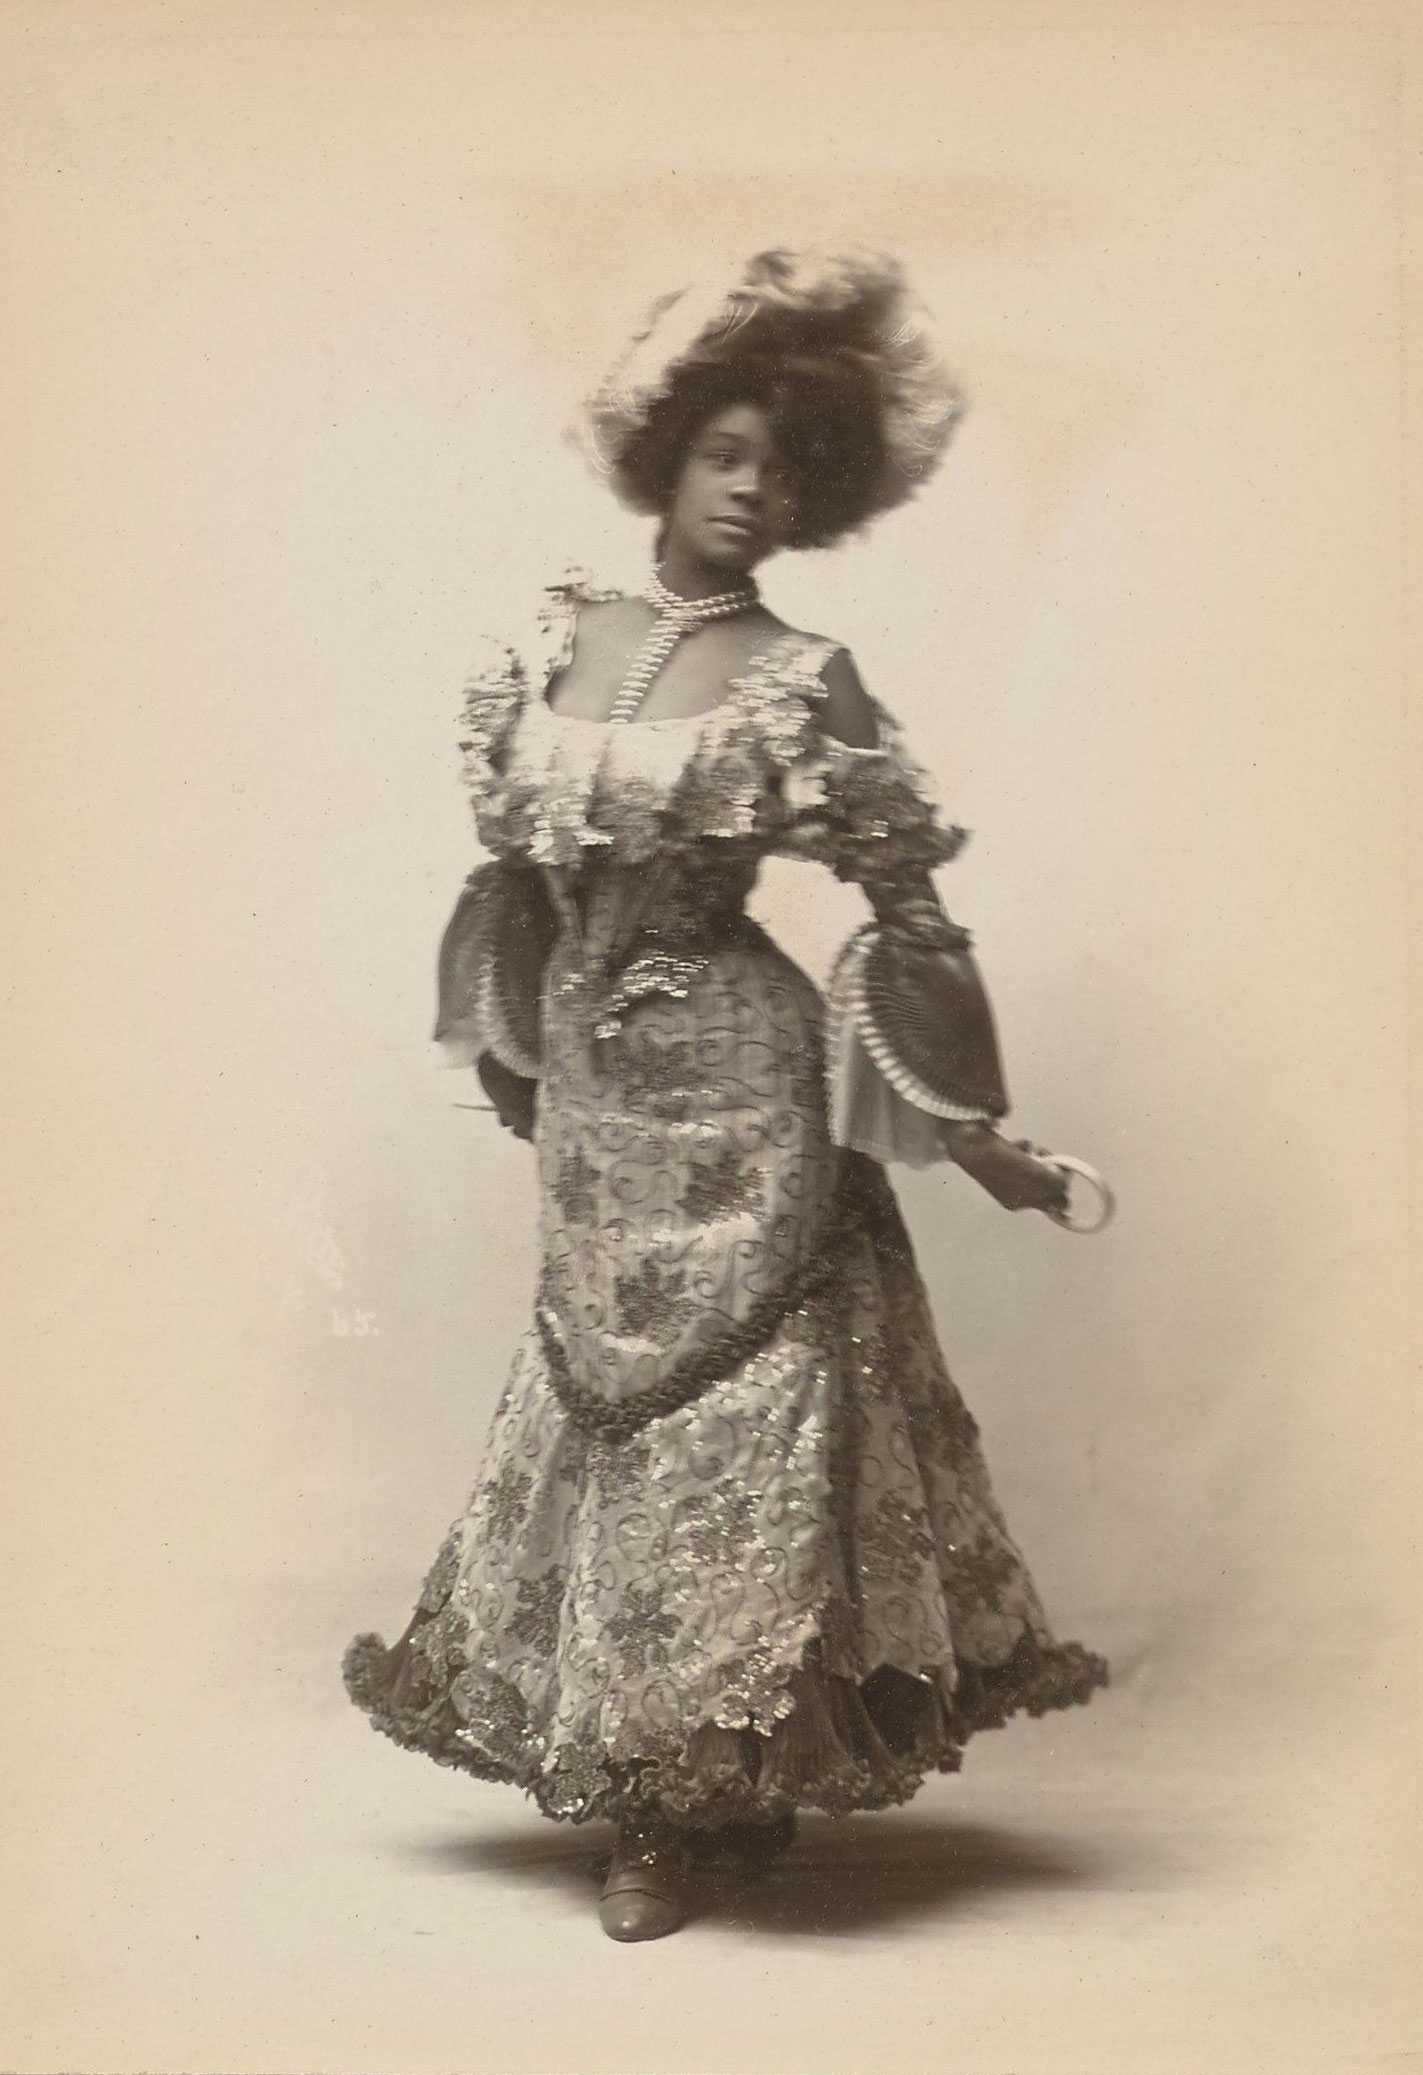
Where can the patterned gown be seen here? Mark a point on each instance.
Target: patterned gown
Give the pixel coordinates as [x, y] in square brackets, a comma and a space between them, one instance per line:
[733, 1549]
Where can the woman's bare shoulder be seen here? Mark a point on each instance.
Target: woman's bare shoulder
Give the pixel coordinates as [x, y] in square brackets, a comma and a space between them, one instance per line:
[612, 616]
[591, 594]
[606, 608]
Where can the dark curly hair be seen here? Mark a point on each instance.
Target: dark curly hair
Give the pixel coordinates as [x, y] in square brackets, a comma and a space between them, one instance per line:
[824, 417]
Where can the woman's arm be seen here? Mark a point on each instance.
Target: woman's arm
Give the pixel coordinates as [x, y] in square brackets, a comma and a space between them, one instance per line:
[906, 905]
[848, 712]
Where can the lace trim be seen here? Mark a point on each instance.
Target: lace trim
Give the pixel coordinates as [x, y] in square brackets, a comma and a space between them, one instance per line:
[840, 1744]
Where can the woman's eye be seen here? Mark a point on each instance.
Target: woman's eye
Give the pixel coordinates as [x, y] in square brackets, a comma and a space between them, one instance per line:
[774, 473]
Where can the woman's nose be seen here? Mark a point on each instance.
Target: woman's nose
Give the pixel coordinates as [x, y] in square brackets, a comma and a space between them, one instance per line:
[750, 481]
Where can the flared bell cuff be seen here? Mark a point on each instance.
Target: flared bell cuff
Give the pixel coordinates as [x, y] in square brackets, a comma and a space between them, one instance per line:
[910, 1046]
[490, 970]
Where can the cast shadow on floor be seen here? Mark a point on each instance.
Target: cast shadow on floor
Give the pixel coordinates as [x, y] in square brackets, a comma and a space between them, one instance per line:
[859, 1875]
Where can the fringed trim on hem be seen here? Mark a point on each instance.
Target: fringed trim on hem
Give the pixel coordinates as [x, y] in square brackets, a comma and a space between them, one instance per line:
[845, 1745]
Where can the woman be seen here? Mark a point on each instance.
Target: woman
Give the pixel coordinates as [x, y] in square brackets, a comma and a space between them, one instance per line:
[734, 1550]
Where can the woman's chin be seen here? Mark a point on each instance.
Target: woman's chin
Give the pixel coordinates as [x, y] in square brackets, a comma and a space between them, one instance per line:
[737, 558]
[730, 556]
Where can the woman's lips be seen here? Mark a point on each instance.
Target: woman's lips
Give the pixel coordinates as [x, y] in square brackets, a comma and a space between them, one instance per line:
[744, 529]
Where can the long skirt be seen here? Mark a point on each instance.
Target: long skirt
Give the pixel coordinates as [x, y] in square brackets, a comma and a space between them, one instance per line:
[733, 1548]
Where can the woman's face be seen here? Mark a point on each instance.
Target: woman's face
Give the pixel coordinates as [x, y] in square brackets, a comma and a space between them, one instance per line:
[732, 506]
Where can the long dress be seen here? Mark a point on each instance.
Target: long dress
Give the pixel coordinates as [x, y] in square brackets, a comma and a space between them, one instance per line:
[733, 1548]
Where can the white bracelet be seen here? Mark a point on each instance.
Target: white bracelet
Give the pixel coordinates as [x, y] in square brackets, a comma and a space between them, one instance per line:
[1067, 1165]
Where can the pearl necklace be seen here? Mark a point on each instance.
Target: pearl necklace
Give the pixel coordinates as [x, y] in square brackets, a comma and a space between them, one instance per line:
[676, 616]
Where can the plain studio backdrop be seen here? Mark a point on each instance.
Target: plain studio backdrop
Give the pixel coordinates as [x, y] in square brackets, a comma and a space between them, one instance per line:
[298, 299]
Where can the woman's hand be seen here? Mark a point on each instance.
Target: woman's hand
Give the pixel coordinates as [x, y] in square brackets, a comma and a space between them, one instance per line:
[1012, 1173]
[515, 1099]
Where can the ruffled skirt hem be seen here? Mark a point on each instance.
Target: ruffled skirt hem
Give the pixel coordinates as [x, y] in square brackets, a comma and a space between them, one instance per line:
[844, 1745]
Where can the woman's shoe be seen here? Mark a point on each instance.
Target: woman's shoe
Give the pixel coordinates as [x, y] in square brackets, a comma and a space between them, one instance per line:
[644, 1895]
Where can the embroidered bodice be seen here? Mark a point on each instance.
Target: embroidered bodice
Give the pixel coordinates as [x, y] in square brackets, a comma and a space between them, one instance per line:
[643, 840]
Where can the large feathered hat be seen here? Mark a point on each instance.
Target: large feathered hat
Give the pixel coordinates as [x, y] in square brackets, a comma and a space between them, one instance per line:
[850, 305]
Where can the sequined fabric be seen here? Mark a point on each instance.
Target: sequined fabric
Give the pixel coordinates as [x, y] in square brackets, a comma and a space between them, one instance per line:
[796, 1588]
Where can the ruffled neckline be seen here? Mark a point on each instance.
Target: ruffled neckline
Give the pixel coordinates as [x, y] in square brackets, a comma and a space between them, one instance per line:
[733, 772]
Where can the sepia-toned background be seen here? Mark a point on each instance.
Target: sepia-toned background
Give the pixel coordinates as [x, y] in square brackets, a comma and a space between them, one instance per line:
[298, 300]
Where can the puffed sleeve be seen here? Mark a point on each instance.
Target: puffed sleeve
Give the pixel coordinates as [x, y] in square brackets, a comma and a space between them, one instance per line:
[496, 943]
[911, 1039]
[490, 698]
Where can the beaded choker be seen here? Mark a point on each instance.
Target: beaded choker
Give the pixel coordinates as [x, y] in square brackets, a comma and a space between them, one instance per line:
[676, 616]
